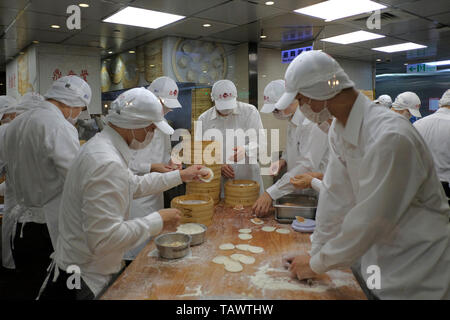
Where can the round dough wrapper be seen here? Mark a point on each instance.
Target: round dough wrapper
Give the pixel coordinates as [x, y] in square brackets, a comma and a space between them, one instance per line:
[283, 231]
[254, 249]
[226, 246]
[268, 229]
[210, 177]
[243, 247]
[256, 221]
[245, 230]
[233, 266]
[220, 259]
[245, 236]
[243, 258]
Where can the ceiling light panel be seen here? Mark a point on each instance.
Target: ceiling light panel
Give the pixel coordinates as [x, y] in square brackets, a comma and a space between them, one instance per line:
[143, 18]
[353, 37]
[400, 47]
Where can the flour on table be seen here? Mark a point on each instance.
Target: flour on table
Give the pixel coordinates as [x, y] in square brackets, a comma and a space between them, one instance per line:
[268, 229]
[245, 230]
[197, 292]
[226, 246]
[283, 231]
[245, 236]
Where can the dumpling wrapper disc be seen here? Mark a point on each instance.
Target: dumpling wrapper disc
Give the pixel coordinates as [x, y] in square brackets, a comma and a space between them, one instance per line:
[268, 229]
[245, 236]
[283, 231]
[254, 249]
[226, 246]
[211, 175]
[220, 259]
[233, 266]
[245, 230]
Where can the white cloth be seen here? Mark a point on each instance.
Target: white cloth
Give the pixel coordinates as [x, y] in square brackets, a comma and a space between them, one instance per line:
[94, 225]
[306, 151]
[245, 117]
[435, 130]
[382, 202]
[39, 147]
[158, 151]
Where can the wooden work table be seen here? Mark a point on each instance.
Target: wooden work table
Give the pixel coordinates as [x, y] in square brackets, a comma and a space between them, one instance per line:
[197, 277]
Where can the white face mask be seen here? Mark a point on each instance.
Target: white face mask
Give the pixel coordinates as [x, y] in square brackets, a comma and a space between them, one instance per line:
[281, 116]
[316, 117]
[73, 120]
[136, 145]
[324, 126]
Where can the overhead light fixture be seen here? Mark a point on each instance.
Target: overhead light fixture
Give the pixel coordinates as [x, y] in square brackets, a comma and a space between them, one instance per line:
[84, 5]
[21, 53]
[262, 36]
[110, 52]
[405, 64]
[378, 60]
[142, 18]
[352, 37]
[337, 9]
[131, 51]
[269, 3]
[35, 41]
[207, 25]
[55, 26]
[152, 65]
[438, 63]
[400, 47]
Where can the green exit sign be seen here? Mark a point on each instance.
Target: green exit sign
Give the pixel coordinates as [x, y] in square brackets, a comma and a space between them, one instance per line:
[420, 67]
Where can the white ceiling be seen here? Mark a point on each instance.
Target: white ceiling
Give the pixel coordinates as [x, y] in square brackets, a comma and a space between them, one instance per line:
[233, 21]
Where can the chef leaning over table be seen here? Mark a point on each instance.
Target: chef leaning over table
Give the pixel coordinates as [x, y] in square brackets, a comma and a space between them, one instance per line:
[239, 160]
[435, 130]
[39, 147]
[155, 156]
[94, 226]
[381, 201]
[306, 146]
[27, 102]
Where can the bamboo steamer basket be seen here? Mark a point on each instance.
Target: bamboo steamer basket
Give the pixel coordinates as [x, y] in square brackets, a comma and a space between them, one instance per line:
[237, 194]
[198, 213]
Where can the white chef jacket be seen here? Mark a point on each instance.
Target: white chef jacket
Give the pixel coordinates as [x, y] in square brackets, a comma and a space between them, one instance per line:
[158, 151]
[39, 146]
[306, 150]
[245, 116]
[382, 202]
[435, 130]
[94, 226]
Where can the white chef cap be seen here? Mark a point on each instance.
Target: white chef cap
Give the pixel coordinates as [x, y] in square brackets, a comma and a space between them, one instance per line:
[384, 100]
[166, 89]
[315, 75]
[137, 108]
[70, 90]
[272, 93]
[408, 100]
[445, 100]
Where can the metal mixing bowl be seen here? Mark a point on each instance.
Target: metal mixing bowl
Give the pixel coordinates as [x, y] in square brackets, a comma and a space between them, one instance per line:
[199, 238]
[169, 252]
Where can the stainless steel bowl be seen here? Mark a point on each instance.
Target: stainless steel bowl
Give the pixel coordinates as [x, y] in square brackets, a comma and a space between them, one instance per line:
[302, 203]
[169, 252]
[199, 238]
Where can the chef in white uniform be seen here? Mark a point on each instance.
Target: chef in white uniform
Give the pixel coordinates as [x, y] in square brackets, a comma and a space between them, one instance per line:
[407, 104]
[28, 101]
[95, 229]
[306, 147]
[384, 101]
[435, 130]
[155, 156]
[39, 147]
[381, 201]
[228, 113]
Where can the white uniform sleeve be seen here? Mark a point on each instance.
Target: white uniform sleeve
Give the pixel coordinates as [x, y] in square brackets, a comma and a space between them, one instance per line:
[2, 189]
[283, 186]
[63, 148]
[316, 184]
[167, 149]
[154, 182]
[386, 168]
[105, 203]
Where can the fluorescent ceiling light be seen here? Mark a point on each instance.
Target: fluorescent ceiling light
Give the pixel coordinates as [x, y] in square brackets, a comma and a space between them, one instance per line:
[400, 47]
[143, 18]
[438, 63]
[338, 9]
[353, 37]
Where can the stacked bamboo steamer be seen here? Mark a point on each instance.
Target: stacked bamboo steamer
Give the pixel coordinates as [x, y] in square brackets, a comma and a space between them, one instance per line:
[194, 208]
[241, 192]
[198, 154]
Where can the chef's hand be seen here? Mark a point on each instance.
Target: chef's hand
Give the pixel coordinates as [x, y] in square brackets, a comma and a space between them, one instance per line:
[171, 218]
[317, 175]
[302, 181]
[227, 171]
[160, 167]
[192, 173]
[175, 166]
[262, 205]
[299, 267]
[277, 166]
[288, 258]
[239, 154]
